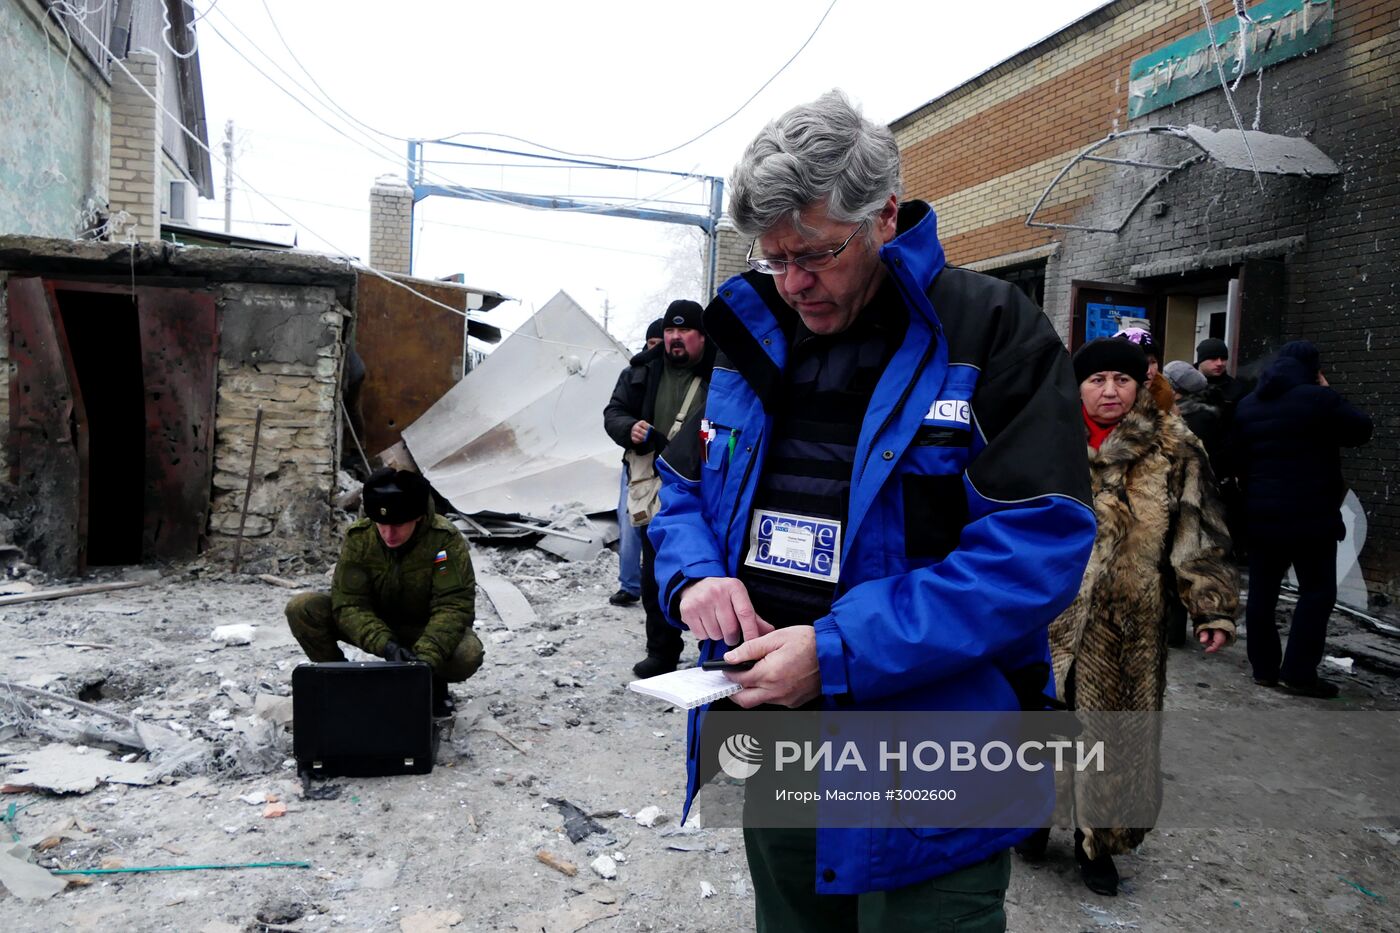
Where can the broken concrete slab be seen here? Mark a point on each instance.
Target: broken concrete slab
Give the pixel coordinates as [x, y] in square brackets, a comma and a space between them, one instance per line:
[69, 769]
[24, 879]
[274, 708]
[510, 604]
[566, 918]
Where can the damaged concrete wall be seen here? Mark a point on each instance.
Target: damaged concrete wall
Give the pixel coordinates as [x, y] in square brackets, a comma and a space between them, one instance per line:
[281, 349]
[5, 375]
[50, 181]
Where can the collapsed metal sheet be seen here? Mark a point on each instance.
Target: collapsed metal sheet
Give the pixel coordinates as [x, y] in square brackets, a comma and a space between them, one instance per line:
[1273, 154]
[523, 432]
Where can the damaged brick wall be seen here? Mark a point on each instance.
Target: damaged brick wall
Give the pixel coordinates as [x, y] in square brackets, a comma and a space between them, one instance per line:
[280, 349]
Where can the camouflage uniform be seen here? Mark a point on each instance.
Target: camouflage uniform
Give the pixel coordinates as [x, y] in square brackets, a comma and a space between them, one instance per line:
[423, 596]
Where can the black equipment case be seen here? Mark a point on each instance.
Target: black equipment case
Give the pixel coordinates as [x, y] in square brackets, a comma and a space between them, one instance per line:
[362, 719]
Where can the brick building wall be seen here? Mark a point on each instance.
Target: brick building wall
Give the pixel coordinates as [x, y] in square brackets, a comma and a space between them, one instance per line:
[295, 379]
[733, 248]
[391, 226]
[135, 173]
[282, 321]
[1314, 258]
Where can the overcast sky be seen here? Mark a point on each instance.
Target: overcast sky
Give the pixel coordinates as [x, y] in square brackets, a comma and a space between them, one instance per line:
[616, 80]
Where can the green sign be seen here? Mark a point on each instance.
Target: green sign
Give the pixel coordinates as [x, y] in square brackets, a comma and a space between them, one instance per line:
[1281, 29]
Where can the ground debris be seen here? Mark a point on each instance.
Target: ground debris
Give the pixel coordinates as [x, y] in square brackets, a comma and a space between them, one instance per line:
[430, 921]
[563, 866]
[650, 816]
[605, 867]
[69, 769]
[573, 915]
[23, 878]
[577, 825]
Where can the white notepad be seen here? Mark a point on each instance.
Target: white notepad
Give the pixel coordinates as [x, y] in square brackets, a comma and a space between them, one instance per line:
[687, 688]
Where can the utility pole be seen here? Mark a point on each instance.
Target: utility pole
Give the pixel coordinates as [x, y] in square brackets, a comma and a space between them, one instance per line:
[228, 177]
[607, 306]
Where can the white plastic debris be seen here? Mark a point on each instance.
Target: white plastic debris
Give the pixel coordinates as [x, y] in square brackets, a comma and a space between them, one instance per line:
[240, 633]
[707, 889]
[257, 798]
[649, 816]
[1345, 664]
[605, 867]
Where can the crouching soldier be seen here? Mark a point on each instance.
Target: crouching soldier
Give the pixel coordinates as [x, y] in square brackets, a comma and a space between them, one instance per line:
[404, 589]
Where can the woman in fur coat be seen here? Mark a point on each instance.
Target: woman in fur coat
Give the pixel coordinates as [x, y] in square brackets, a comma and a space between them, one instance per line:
[1161, 526]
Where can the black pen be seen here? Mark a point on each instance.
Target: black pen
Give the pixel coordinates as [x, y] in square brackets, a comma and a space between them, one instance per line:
[726, 666]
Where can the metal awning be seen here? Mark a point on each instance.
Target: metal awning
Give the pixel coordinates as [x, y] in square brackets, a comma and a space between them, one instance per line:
[1250, 151]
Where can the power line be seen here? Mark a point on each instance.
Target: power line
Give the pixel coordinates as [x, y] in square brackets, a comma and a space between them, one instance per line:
[636, 202]
[447, 223]
[693, 139]
[590, 155]
[341, 254]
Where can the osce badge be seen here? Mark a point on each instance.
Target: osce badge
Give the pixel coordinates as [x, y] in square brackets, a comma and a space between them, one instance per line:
[798, 545]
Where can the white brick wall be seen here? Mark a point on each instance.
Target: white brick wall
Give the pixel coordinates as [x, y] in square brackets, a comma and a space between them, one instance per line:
[134, 168]
[391, 226]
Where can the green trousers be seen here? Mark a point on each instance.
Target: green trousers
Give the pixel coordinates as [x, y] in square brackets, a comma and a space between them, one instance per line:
[783, 865]
[313, 625]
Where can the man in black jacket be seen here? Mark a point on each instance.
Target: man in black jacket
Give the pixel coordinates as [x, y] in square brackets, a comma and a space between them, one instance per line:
[653, 397]
[1287, 437]
[629, 541]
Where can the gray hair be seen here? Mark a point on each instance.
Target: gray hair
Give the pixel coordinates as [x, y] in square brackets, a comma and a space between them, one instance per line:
[822, 151]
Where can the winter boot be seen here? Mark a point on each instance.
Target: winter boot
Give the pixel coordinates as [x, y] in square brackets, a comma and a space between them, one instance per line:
[1100, 874]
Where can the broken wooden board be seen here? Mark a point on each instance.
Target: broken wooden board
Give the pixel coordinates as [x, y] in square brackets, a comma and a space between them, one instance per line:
[511, 605]
[67, 769]
[65, 591]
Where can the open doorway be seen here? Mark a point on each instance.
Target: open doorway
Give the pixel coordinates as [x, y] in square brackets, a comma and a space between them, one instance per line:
[112, 418]
[104, 342]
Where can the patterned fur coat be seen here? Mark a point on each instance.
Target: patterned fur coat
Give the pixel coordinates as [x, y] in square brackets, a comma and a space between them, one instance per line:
[1161, 536]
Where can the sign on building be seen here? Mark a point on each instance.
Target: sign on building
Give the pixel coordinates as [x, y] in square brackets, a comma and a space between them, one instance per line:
[1278, 30]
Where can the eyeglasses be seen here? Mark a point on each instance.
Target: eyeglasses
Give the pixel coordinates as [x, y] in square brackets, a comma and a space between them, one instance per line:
[811, 262]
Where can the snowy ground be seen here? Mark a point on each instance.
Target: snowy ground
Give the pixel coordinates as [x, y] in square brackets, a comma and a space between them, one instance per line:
[547, 717]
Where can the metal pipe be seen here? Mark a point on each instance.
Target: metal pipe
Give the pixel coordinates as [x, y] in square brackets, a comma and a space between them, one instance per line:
[248, 490]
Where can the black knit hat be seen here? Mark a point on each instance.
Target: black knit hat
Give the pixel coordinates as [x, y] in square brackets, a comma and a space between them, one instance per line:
[1305, 352]
[1212, 348]
[1109, 354]
[656, 329]
[683, 313]
[392, 497]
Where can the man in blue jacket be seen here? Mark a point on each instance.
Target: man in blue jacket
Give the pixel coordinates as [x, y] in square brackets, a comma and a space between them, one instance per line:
[884, 505]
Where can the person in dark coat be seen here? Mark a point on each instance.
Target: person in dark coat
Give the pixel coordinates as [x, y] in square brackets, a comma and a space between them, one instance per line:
[652, 399]
[1213, 360]
[1287, 436]
[629, 541]
[1201, 407]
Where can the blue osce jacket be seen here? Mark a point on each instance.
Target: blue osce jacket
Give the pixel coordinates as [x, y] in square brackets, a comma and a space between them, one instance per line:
[968, 529]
